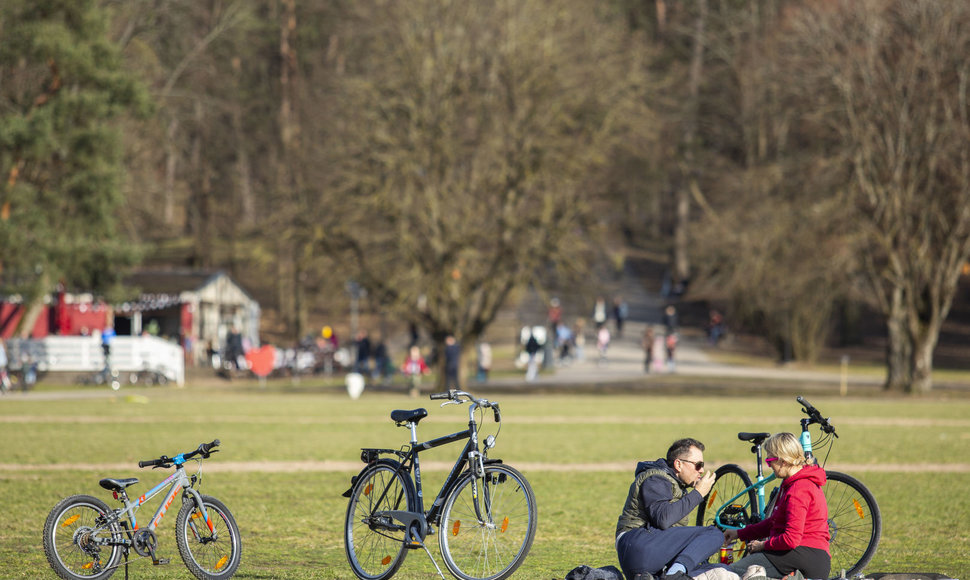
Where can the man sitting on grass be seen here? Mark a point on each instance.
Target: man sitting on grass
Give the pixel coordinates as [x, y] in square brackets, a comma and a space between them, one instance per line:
[653, 537]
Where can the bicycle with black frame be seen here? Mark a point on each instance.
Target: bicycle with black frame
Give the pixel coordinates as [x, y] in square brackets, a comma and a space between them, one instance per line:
[484, 515]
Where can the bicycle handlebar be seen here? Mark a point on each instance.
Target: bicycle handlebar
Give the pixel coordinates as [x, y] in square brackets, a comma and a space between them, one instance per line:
[205, 449]
[455, 396]
[815, 416]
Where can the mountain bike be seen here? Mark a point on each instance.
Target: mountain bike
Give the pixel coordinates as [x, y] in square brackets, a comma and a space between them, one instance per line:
[484, 515]
[84, 538]
[854, 520]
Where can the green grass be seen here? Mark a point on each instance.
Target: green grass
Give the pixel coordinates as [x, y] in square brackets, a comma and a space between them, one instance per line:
[291, 521]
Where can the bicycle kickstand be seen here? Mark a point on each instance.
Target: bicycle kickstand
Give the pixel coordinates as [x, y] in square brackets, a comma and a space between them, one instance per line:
[428, 552]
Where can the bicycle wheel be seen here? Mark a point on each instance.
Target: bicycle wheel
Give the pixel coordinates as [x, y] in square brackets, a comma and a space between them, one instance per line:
[487, 537]
[730, 480]
[209, 553]
[854, 523]
[77, 542]
[374, 541]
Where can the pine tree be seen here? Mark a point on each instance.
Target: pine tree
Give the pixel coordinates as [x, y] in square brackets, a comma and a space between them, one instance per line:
[63, 89]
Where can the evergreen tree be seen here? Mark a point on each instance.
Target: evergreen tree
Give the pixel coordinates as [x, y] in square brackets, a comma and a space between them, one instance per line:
[63, 87]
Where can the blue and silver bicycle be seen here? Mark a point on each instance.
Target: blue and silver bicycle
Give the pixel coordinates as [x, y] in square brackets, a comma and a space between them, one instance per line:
[854, 520]
[84, 539]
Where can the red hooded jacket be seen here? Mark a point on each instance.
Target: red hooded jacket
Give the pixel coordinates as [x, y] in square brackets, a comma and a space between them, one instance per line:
[800, 515]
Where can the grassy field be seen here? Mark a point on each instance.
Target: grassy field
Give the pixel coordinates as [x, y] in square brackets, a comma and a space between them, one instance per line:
[287, 457]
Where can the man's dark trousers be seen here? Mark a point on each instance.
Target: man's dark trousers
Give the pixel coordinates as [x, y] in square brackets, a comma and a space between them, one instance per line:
[643, 550]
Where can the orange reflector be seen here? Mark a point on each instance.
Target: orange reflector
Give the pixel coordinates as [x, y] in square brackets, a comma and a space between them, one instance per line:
[196, 515]
[505, 523]
[455, 527]
[222, 562]
[386, 561]
[70, 520]
[710, 502]
[368, 489]
[858, 508]
[88, 566]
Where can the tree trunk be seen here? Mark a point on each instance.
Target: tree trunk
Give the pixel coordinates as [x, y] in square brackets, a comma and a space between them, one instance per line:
[899, 349]
[171, 167]
[913, 338]
[284, 171]
[33, 306]
[681, 237]
[922, 382]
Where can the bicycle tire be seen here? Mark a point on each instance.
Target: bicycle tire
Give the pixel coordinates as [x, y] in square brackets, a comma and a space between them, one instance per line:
[855, 523]
[493, 547]
[375, 544]
[68, 533]
[729, 481]
[208, 554]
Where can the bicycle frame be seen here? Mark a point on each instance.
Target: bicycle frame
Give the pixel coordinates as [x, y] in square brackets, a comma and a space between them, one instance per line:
[470, 455]
[180, 481]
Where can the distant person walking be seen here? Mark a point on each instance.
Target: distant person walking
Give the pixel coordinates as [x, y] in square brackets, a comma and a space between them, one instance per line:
[647, 344]
[579, 338]
[107, 336]
[715, 327]
[362, 364]
[599, 312]
[414, 368]
[602, 343]
[532, 348]
[452, 361]
[671, 343]
[620, 312]
[234, 348]
[484, 361]
[670, 320]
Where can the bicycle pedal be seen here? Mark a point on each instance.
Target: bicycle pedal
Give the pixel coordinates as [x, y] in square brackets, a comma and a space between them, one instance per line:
[413, 545]
[161, 561]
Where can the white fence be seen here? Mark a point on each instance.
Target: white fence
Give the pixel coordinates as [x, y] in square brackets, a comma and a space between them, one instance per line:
[84, 354]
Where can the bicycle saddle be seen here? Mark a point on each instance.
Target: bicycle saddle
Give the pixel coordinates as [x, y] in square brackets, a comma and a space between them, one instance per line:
[112, 484]
[756, 438]
[412, 416]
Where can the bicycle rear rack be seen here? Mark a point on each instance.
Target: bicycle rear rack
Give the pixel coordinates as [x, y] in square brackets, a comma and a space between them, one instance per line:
[370, 455]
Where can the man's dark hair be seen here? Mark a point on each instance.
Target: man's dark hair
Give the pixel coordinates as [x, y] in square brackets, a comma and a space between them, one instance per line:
[681, 447]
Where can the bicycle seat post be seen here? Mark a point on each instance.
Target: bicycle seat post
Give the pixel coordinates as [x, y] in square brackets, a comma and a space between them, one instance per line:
[413, 425]
[757, 452]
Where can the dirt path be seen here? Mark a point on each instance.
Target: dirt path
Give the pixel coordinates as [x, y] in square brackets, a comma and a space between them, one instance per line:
[354, 466]
[917, 422]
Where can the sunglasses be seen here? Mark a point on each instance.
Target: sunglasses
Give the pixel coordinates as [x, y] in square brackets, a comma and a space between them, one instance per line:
[698, 465]
[771, 460]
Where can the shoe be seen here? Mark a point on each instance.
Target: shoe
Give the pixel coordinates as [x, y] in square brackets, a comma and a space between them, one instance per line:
[677, 576]
[755, 572]
[717, 573]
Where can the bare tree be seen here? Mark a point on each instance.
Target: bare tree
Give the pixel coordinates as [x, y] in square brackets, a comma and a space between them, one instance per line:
[468, 131]
[891, 82]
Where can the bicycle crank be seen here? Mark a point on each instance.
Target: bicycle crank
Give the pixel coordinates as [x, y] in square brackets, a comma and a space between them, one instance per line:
[144, 543]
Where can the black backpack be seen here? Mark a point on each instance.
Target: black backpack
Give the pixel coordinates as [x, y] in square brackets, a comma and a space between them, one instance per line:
[586, 573]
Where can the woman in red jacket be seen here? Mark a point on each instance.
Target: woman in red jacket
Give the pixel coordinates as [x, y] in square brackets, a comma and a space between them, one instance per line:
[795, 536]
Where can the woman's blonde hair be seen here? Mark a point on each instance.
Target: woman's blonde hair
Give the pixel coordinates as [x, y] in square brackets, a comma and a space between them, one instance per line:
[785, 446]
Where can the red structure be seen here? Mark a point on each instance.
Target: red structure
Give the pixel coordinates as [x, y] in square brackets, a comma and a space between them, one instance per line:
[68, 315]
